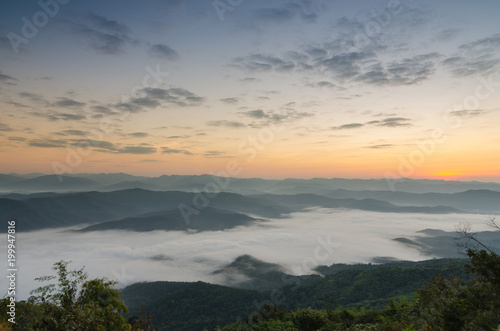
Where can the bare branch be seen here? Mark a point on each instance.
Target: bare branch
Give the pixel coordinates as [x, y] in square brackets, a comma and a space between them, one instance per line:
[467, 239]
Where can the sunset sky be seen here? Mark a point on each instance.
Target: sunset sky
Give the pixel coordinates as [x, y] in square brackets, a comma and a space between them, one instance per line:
[297, 88]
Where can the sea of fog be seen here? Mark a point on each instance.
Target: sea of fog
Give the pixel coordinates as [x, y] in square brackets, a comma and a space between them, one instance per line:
[299, 243]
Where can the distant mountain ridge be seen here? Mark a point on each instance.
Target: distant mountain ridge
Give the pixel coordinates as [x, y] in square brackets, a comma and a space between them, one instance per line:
[93, 207]
[13, 183]
[208, 219]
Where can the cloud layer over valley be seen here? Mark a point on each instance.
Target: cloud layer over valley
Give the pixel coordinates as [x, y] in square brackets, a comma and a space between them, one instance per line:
[298, 243]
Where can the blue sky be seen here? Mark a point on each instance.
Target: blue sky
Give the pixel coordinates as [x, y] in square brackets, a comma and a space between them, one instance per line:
[298, 88]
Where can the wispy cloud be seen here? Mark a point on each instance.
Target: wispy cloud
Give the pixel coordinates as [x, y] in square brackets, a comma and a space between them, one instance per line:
[306, 11]
[274, 117]
[393, 122]
[103, 35]
[154, 97]
[476, 57]
[68, 103]
[72, 133]
[48, 143]
[136, 150]
[228, 124]
[381, 146]
[168, 150]
[468, 113]
[138, 134]
[348, 126]
[163, 51]
[5, 127]
[230, 101]
[6, 79]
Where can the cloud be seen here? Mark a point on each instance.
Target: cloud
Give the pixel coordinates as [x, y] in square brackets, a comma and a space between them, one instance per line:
[48, 143]
[361, 66]
[476, 57]
[380, 146]
[344, 59]
[154, 97]
[167, 150]
[348, 126]
[106, 24]
[101, 42]
[212, 153]
[17, 104]
[136, 150]
[229, 124]
[487, 44]
[17, 138]
[102, 146]
[274, 117]
[357, 237]
[148, 161]
[4, 127]
[262, 62]
[468, 113]
[447, 34]
[249, 79]
[138, 134]
[231, 101]
[163, 51]
[101, 34]
[321, 84]
[257, 113]
[35, 98]
[393, 122]
[286, 12]
[102, 110]
[66, 117]
[109, 147]
[73, 133]
[6, 79]
[68, 103]
[404, 72]
[278, 15]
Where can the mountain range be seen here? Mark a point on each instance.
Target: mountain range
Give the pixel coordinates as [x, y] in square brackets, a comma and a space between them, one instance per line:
[15, 183]
[144, 210]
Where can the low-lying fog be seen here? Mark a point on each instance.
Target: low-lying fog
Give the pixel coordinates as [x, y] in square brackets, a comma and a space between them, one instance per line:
[317, 237]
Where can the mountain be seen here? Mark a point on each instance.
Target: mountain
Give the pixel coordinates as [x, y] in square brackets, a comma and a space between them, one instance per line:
[250, 273]
[98, 207]
[52, 183]
[299, 202]
[19, 196]
[190, 306]
[8, 179]
[251, 186]
[29, 217]
[106, 179]
[474, 201]
[208, 219]
[196, 306]
[442, 243]
[128, 185]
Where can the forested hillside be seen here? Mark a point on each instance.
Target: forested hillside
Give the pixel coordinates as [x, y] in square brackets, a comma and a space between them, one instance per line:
[194, 306]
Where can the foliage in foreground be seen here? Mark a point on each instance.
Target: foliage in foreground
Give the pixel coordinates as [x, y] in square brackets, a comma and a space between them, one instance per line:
[443, 304]
[72, 304]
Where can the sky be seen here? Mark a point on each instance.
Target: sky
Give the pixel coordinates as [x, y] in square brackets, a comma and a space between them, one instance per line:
[272, 89]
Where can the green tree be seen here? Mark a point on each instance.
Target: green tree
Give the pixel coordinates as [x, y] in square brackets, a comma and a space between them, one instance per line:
[73, 303]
